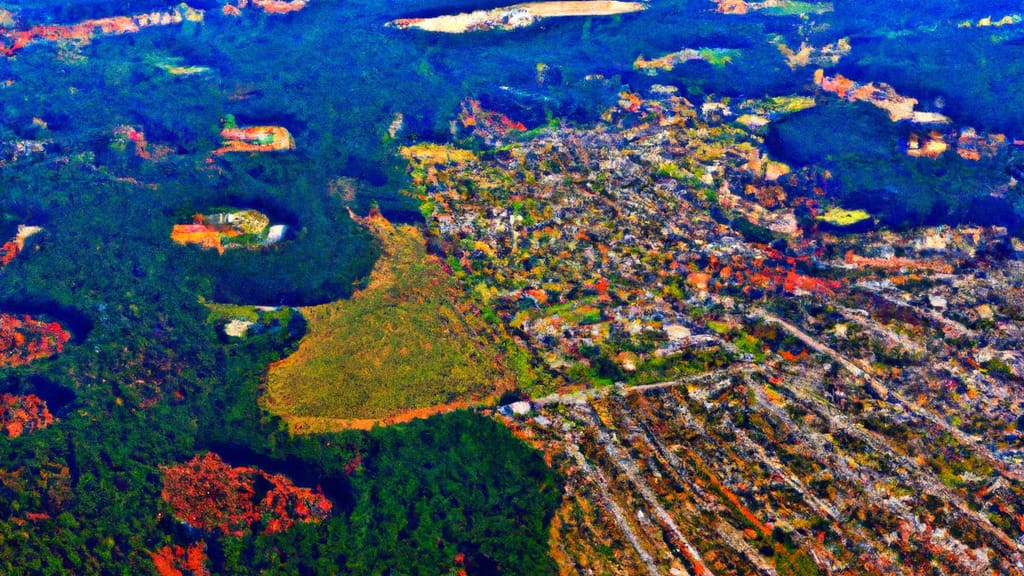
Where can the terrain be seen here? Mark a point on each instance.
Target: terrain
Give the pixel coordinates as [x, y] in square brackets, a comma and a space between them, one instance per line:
[690, 287]
[766, 390]
[402, 347]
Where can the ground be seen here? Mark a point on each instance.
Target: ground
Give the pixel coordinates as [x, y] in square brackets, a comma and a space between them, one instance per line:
[402, 347]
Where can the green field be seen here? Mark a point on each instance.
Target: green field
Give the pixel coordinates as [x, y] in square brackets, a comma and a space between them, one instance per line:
[398, 347]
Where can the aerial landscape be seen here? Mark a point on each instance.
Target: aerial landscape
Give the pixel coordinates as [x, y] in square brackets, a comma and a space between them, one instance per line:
[667, 287]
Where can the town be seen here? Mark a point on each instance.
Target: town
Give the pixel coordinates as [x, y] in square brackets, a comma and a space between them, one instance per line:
[745, 377]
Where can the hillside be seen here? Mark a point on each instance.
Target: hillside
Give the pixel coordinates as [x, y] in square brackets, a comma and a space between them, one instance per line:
[400, 348]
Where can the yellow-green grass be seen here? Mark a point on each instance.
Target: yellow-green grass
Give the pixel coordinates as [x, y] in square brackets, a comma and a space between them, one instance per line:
[226, 312]
[843, 217]
[405, 345]
[789, 104]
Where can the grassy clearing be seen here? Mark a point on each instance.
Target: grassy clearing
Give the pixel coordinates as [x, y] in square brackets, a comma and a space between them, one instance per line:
[843, 217]
[399, 347]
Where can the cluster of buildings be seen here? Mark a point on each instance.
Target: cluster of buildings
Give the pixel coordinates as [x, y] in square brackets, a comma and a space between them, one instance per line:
[600, 243]
[789, 392]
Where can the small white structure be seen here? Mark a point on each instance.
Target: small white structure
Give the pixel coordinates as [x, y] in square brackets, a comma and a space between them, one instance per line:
[237, 328]
[520, 408]
[276, 233]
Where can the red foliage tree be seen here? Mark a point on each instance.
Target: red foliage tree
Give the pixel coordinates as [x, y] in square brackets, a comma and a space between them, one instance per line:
[211, 495]
[23, 414]
[24, 339]
[8, 252]
[354, 464]
[178, 561]
[492, 127]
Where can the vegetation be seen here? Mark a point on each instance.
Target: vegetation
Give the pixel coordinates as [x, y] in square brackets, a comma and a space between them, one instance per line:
[145, 381]
[470, 488]
[873, 175]
[793, 8]
[212, 496]
[403, 343]
[718, 58]
[843, 217]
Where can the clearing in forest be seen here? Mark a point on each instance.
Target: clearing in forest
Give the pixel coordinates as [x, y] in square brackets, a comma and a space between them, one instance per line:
[406, 346]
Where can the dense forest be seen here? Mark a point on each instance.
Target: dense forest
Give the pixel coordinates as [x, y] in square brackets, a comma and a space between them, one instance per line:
[147, 382]
[873, 173]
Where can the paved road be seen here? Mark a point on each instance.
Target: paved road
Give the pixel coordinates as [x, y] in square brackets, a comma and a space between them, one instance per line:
[585, 396]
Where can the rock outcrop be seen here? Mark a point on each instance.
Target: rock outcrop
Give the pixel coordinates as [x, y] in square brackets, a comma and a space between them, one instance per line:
[714, 56]
[880, 95]
[515, 16]
[10, 249]
[269, 6]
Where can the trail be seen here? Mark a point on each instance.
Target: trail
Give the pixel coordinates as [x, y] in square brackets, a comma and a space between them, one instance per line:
[613, 508]
[581, 397]
[628, 466]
